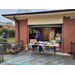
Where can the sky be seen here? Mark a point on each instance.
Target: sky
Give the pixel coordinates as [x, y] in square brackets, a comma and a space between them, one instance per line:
[10, 11]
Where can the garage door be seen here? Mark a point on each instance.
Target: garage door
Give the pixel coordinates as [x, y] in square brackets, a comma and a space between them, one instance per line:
[45, 26]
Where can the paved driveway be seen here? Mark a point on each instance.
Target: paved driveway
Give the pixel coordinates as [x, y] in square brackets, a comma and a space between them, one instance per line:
[39, 59]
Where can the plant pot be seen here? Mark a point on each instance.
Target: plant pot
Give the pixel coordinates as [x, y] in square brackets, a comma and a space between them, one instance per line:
[72, 56]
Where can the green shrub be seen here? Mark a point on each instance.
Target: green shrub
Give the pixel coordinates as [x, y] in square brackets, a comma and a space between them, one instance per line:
[5, 30]
[74, 55]
[70, 53]
[1, 32]
[11, 33]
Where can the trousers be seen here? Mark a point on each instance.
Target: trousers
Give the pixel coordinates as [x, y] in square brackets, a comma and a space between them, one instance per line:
[40, 49]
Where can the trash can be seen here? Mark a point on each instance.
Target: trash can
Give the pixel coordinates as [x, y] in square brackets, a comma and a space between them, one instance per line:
[1, 49]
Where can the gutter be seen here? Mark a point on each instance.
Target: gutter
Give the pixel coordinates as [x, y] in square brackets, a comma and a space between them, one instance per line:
[41, 12]
[18, 26]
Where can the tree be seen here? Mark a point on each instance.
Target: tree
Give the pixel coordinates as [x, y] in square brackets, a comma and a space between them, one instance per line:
[9, 23]
[23, 10]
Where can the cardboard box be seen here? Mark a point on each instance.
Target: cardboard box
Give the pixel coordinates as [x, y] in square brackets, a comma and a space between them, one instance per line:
[58, 35]
[59, 45]
[46, 48]
[57, 38]
[33, 40]
[58, 41]
[51, 47]
[51, 40]
[58, 49]
[51, 37]
[52, 34]
[51, 30]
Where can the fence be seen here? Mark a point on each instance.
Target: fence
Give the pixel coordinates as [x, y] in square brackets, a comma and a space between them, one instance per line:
[1, 54]
[10, 48]
[72, 47]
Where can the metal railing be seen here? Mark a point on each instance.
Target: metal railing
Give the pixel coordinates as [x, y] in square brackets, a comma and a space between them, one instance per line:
[12, 47]
[72, 47]
[1, 54]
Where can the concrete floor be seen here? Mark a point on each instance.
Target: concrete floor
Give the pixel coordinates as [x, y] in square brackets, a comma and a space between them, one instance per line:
[47, 58]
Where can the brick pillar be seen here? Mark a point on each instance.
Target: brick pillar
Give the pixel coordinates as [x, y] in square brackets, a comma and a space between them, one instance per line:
[23, 30]
[68, 33]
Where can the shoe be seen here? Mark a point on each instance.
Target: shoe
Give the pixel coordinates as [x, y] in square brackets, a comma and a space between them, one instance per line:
[41, 52]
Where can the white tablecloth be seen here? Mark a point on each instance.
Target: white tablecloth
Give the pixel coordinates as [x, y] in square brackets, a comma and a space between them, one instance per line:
[46, 45]
[43, 46]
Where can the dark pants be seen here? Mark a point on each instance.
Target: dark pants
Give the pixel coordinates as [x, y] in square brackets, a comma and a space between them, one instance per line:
[40, 49]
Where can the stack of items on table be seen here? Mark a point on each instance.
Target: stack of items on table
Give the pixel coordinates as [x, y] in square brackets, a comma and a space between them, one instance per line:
[51, 37]
[58, 40]
[32, 41]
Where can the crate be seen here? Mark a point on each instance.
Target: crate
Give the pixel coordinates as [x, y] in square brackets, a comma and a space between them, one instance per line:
[51, 49]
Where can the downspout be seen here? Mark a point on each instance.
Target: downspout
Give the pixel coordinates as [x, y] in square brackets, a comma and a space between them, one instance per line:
[18, 26]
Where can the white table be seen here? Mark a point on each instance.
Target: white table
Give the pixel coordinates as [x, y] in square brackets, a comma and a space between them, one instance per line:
[56, 45]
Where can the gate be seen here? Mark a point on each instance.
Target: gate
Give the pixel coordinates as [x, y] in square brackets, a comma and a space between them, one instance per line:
[72, 47]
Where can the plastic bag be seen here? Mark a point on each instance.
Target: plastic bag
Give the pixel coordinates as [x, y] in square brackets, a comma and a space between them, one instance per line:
[30, 46]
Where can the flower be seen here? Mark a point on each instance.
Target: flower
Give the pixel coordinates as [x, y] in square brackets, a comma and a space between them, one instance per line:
[8, 45]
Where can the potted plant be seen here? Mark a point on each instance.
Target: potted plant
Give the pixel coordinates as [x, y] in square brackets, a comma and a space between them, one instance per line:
[71, 54]
[74, 56]
[8, 47]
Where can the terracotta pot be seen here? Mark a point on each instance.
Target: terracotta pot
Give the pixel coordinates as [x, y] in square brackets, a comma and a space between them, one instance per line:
[72, 57]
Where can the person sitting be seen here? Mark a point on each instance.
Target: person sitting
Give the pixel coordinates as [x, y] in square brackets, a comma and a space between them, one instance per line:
[4, 35]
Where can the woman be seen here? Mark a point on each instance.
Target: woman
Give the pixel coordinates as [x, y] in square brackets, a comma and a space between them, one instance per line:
[39, 38]
[4, 35]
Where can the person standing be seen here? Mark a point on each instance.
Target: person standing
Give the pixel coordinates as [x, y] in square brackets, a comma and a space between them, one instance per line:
[39, 38]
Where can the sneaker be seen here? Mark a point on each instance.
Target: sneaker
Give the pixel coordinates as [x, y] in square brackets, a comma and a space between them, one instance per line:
[41, 52]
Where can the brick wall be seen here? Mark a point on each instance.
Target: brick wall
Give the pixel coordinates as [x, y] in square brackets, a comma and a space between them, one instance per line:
[23, 30]
[5, 27]
[10, 27]
[68, 33]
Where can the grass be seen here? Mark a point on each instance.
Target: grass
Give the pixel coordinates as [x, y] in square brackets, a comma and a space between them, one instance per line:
[11, 39]
[1, 36]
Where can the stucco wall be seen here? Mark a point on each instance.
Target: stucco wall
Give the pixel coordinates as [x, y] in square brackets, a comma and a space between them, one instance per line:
[45, 20]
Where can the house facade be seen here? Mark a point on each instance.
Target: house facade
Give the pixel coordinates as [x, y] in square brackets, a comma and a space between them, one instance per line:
[7, 26]
[61, 20]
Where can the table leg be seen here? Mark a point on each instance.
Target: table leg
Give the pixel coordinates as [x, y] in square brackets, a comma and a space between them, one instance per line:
[0, 58]
[32, 49]
[54, 52]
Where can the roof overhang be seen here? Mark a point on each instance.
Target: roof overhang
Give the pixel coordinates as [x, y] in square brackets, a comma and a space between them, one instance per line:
[21, 16]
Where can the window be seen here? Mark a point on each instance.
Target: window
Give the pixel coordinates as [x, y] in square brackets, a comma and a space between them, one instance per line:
[8, 27]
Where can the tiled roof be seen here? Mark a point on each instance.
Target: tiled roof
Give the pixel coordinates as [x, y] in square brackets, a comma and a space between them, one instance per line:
[6, 24]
